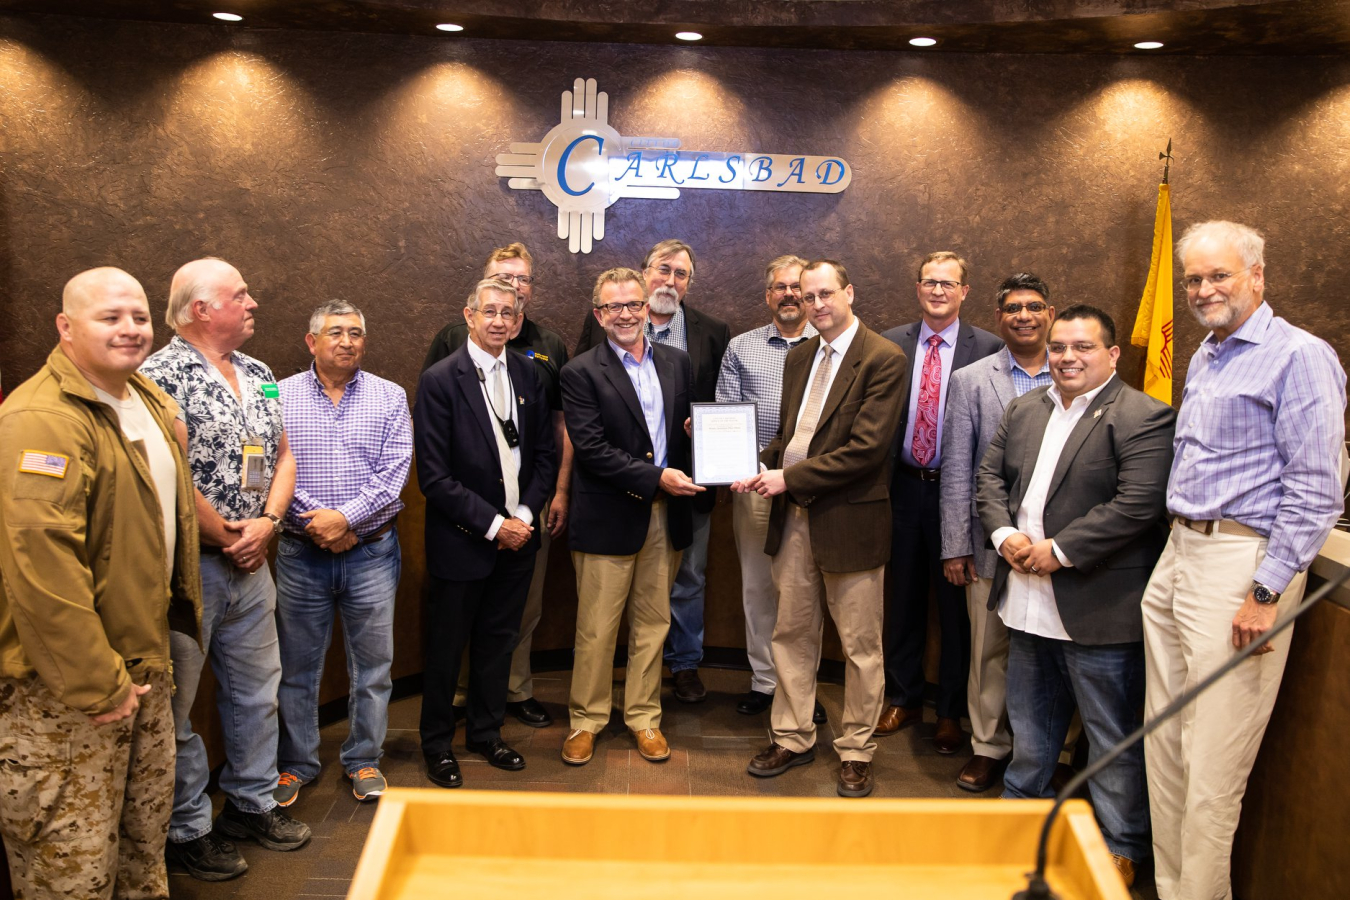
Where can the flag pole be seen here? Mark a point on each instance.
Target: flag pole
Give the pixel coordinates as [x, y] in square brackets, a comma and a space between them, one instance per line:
[1167, 155]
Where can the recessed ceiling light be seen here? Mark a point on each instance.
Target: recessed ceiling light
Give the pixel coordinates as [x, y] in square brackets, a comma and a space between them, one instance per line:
[1148, 45]
[448, 27]
[228, 17]
[922, 42]
[689, 35]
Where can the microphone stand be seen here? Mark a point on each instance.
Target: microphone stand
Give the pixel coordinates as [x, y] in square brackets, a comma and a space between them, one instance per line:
[1037, 887]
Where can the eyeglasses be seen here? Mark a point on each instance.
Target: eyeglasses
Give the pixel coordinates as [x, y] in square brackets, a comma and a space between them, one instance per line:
[1082, 347]
[1192, 283]
[633, 306]
[667, 271]
[335, 334]
[1034, 307]
[508, 278]
[946, 287]
[779, 290]
[823, 297]
[506, 314]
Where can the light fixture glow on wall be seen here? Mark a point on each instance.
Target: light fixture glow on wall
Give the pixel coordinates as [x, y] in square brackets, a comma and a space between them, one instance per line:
[228, 17]
[448, 27]
[689, 35]
[922, 42]
[1148, 45]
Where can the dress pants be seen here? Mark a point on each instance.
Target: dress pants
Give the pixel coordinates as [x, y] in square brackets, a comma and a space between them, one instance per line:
[854, 600]
[485, 614]
[606, 585]
[916, 564]
[520, 685]
[750, 525]
[1199, 761]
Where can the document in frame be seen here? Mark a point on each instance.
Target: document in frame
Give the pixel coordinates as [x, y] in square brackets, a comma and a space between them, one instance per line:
[726, 442]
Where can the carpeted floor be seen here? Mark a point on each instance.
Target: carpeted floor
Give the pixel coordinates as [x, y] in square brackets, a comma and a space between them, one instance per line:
[710, 746]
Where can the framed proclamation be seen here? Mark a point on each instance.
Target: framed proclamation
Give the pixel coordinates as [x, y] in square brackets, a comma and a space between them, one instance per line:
[725, 442]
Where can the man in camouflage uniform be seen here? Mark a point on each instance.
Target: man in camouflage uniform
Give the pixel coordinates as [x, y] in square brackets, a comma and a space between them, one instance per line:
[90, 473]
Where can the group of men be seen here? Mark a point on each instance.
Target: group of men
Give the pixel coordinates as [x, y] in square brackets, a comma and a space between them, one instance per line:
[1091, 549]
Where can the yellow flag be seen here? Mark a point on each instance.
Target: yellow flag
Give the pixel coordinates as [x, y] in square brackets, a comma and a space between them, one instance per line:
[1153, 327]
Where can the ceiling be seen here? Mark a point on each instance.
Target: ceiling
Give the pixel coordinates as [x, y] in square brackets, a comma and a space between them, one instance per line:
[1186, 27]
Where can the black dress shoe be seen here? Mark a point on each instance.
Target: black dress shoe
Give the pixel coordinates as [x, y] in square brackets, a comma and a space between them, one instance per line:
[498, 755]
[818, 714]
[753, 703]
[443, 770]
[531, 712]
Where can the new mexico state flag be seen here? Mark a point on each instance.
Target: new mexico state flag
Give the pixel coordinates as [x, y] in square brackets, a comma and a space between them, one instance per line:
[1153, 327]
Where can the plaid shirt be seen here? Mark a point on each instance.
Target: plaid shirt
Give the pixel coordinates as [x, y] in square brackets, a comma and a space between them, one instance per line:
[1259, 437]
[1023, 381]
[672, 334]
[353, 457]
[752, 372]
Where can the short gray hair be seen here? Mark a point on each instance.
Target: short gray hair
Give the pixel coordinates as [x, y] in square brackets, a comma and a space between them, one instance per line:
[1247, 241]
[334, 308]
[183, 292]
[492, 284]
[786, 261]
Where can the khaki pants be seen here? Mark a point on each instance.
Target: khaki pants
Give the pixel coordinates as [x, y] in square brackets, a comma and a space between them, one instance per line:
[521, 684]
[750, 525]
[84, 808]
[1198, 762]
[606, 585]
[855, 603]
[987, 687]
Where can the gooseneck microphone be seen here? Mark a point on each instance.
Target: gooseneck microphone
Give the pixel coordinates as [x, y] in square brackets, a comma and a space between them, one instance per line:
[1037, 888]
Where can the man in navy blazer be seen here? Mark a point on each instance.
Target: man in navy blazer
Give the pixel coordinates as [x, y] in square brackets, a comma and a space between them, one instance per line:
[486, 461]
[938, 344]
[625, 401]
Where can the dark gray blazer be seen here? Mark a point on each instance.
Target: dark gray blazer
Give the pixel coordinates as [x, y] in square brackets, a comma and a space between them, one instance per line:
[1105, 508]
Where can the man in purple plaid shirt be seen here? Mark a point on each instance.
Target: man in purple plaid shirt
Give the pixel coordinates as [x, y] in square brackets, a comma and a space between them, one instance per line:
[1255, 488]
[351, 436]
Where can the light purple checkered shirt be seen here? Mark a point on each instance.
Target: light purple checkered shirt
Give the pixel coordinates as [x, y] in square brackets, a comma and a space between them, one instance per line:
[353, 457]
[1259, 437]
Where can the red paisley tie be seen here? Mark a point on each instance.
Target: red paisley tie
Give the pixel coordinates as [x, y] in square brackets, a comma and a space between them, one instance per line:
[924, 447]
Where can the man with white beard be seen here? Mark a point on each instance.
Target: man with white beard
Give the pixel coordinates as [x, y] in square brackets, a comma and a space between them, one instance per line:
[668, 271]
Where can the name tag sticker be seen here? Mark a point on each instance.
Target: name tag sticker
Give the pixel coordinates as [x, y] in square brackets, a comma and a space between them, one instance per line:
[270, 390]
[538, 356]
[40, 462]
[254, 469]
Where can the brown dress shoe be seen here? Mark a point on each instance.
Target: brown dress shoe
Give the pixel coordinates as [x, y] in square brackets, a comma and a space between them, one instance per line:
[689, 687]
[579, 747]
[980, 774]
[651, 745]
[777, 759]
[855, 779]
[1126, 869]
[949, 737]
[893, 718]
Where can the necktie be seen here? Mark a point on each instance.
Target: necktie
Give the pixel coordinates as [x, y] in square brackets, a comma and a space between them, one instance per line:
[502, 406]
[924, 446]
[806, 422]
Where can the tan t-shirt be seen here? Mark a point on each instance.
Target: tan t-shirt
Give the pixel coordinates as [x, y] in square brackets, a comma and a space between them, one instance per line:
[145, 435]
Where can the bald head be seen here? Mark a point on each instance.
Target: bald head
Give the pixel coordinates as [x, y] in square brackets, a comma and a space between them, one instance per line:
[93, 285]
[105, 327]
[196, 280]
[209, 305]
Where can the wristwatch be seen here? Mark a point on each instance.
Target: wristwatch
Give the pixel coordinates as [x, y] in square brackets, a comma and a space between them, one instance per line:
[276, 522]
[1263, 595]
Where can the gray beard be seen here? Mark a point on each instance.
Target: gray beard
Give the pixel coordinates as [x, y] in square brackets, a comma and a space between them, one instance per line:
[664, 301]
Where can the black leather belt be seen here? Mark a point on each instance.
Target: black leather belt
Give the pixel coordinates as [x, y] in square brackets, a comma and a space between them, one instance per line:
[376, 535]
[921, 474]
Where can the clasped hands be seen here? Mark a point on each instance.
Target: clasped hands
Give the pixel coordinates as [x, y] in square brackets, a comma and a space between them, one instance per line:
[1027, 558]
[513, 534]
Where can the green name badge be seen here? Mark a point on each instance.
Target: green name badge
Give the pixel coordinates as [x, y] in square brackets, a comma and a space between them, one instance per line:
[270, 390]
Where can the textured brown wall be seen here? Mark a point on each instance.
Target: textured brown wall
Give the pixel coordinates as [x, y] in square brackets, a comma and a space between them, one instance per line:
[360, 166]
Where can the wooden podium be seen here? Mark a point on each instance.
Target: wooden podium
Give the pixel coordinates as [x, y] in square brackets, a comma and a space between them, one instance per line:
[427, 844]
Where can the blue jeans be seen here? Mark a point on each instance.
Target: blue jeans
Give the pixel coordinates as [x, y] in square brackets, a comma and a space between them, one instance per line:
[239, 628]
[684, 643]
[359, 585]
[1046, 678]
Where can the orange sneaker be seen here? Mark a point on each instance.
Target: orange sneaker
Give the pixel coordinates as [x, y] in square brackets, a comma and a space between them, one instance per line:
[288, 788]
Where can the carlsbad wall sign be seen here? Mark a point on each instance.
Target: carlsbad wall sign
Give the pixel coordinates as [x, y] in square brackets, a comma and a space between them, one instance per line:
[584, 166]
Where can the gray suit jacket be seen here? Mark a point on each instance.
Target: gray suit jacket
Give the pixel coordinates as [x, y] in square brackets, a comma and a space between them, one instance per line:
[1105, 507]
[976, 398]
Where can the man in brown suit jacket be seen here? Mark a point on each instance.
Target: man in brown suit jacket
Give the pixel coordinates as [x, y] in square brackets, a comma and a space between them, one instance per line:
[829, 533]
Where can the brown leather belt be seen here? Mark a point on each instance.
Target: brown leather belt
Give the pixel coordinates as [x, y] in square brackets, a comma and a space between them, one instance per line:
[921, 474]
[1223, 526]
[368, 539]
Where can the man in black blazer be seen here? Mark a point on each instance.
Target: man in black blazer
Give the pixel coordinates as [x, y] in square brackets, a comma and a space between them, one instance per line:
[486, 461]
[938, 344]
[1072, 495]
[626, 401]
[668, 270]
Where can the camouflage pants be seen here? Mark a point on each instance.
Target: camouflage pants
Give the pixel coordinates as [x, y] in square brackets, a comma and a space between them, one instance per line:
[84, 808]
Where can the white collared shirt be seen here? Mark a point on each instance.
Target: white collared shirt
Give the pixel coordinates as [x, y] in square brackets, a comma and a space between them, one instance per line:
[840, 346]
[1028, 603]
[494, 369]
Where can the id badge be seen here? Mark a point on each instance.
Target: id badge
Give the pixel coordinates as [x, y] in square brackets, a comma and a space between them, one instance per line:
[254, 470]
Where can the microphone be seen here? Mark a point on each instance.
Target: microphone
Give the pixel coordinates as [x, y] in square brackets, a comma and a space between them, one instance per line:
[1037, 888]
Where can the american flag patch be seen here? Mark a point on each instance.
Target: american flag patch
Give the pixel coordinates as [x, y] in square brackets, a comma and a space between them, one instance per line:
[36, 462]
